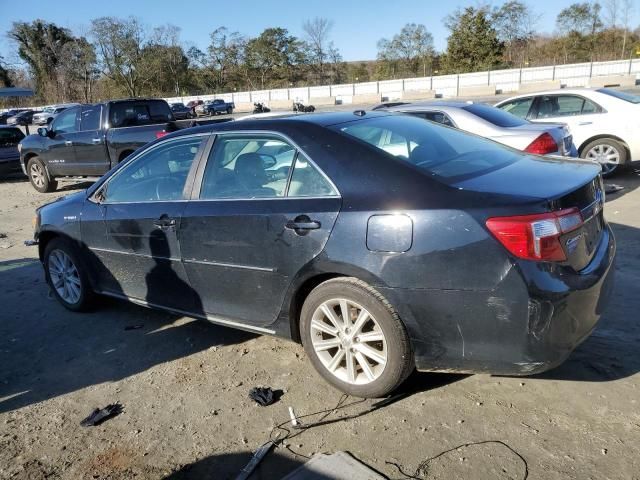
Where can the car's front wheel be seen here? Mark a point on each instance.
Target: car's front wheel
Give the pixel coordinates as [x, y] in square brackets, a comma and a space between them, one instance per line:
[355, 339]
[609, 153]
[66, 275]
[39, 177]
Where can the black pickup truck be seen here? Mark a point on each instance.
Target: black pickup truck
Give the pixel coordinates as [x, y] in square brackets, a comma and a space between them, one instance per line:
[88, 140]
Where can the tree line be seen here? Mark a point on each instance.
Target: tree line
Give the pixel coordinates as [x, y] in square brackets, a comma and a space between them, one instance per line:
[118, 57]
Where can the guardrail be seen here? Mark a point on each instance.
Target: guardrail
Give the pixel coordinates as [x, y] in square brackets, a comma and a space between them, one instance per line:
[619, 73]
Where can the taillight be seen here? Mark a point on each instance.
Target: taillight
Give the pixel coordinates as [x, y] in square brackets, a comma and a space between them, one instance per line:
[161, 134]
[542, 145]
[535, 237]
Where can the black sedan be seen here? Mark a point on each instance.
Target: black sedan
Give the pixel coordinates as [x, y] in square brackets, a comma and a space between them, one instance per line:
[181, 112]
[10, 138]
[383, 243]
[23, 118]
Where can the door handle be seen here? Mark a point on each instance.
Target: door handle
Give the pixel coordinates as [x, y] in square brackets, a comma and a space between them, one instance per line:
[585, 123]
[68, 143]
[96, 141]
[165, 222]
[310, 225]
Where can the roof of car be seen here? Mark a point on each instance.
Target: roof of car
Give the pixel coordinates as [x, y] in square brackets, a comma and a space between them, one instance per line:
[558, 91]
[320, 119]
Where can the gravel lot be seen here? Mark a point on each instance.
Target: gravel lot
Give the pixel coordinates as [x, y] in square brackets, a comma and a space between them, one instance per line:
[184, 383]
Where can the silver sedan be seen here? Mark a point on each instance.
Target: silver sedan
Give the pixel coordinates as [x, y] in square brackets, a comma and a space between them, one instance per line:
[493, 123]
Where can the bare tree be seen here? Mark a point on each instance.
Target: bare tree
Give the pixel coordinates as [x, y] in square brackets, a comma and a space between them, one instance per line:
[317, 33]
[626, 10]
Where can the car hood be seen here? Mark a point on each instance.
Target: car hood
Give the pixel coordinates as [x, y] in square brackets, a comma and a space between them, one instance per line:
[533, 177]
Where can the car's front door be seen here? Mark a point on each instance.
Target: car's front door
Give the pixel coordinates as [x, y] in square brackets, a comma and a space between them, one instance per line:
[132, 230]
[261, 212]
[60, 154]
[89, 143]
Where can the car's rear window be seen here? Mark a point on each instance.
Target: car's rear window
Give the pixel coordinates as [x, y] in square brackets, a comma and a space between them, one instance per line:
[445, 152]
[133, 114]
[10, 136]
[627, 97]
[494, 115]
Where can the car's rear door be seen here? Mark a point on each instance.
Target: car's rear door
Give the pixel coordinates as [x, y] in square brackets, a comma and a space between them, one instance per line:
[89, 142]
[260, 211]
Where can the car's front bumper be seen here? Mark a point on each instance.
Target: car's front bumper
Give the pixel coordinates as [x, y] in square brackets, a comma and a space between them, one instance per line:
[529, 323]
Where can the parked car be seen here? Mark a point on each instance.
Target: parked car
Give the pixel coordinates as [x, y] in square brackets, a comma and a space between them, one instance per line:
[23, 118]
[599, 121]
[49, 113]
[4, 116]
[181, 112]
[493, 123]
[10, 138]
[89, 140]
[215, 107]
[380, 241]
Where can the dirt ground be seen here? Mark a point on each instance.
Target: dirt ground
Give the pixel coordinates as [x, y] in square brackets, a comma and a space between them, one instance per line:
[183, 385]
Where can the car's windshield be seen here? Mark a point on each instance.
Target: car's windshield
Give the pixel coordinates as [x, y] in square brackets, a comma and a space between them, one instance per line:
[494, 115]
[627, 97]
[441, 151]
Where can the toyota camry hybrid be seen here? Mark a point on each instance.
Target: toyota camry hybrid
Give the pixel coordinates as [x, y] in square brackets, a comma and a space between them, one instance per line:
[382, 242]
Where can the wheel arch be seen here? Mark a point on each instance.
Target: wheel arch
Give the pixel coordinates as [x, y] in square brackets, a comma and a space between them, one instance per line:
[601, 136]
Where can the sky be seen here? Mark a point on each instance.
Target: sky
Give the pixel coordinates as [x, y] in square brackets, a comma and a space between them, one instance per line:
[358, 24]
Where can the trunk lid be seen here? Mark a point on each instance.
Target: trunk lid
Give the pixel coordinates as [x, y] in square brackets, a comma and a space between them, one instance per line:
[563, 184]
[560, 133]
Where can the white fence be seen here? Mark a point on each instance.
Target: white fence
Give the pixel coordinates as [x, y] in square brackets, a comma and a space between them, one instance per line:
[572, 75]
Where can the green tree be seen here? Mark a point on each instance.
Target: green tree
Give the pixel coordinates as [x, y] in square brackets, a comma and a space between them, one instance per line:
[40, 45]
[273, 55]
[410, 51]
[515, 23]
[225, 59]
[120, 44]
[473, 44]
[78, 69]
[579, 25]
[5, 80]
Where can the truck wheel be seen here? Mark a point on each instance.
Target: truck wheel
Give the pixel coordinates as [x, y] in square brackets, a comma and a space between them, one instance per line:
[355, 339]
[229, 110]
[67, 276]
[39, 177]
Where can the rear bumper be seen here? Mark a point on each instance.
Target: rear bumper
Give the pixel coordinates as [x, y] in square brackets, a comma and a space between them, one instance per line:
[529, 323]
[10, 166]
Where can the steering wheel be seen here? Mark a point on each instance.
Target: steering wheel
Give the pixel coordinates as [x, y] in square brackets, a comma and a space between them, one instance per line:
[168, 188]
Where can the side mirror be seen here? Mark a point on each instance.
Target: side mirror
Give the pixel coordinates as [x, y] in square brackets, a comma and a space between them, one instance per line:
[43, 131]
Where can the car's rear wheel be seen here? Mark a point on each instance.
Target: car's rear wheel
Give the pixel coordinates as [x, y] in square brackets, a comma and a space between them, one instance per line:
[609, 153]
[66, 275]
[39, 177]
[355, 339]
[229, 110]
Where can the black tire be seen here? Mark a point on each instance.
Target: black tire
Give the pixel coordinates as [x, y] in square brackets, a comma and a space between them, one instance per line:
[39, 176]
[399, 362]
[86, 297]
[229, 111]
[612, 143]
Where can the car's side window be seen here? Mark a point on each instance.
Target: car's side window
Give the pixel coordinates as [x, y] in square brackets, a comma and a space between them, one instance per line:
[158, 174]
[440, 117]
[307, 181]
[519, 107]
[66, 122]
[565, 106]
[247, 166]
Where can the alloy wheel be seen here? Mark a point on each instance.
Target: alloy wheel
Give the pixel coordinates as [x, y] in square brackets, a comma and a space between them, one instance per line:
[37, 174]
[348, 341]
[64, 277]
[606, 155]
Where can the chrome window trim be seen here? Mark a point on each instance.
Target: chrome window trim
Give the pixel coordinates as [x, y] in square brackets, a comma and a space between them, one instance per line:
[135, 157]
[288, 140]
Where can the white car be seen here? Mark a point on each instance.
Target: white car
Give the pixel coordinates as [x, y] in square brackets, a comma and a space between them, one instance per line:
[605, 123]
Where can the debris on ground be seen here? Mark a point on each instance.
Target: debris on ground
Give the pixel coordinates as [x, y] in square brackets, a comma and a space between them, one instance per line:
[336, 465]
[255, 460]
[264, 396]
[100, 415]
[612, 188]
